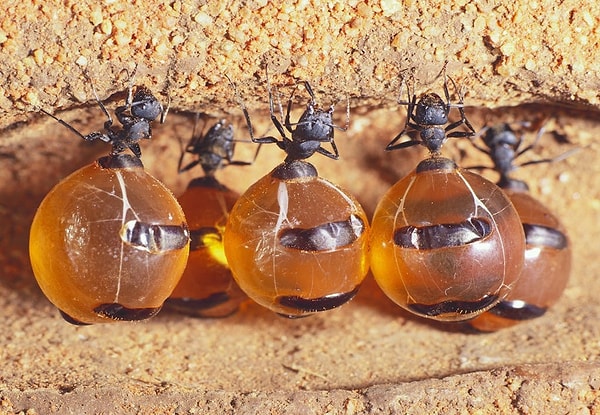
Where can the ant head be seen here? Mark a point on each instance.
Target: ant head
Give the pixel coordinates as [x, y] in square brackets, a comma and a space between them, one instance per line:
[224, 128]
[218, 141]
[431, 110]
[500, 135]
[316, 114]
[145, 105]
[314, 124]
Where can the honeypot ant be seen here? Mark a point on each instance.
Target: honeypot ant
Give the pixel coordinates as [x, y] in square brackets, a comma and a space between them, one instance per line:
[446, 243]
[297, 243]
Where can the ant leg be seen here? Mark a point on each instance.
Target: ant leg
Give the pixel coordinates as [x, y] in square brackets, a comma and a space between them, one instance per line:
[268, 139]
[64, 123]
[459, 134]
[476, 136]
[109, 122]
[89, 137]
[287, 122]
[165, 111]
[539, 135]
[123, 119]
[404, 81]
[466, 121]
[327, 153]
[560, 157]
[279, 127]
[461, 109]
[248, 121]
[347, 114]
[135, 149]
[256, 153]
[446, 92]
[309, 90]
[131, 80]
[246, 163]
[463, 121]
[274, 119]
[404, 144]
[333, 155]
[347, 124]
[287, 117]
[409, 115]
[244, 109]
[189, 148]
[459, 105]
[187, 166]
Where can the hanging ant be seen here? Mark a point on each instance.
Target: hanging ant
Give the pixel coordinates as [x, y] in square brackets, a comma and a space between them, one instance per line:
[503, 147]
[427, 116]
[314, 127]
[214, 149]
[140, 109]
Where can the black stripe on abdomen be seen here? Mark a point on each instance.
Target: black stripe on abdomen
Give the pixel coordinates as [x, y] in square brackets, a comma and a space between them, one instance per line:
[442, 235]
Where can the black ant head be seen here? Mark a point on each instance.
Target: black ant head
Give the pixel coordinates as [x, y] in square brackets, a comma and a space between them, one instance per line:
[145, 105]
[431, 110]
[314, 124]
[216, 148]
[500, 135]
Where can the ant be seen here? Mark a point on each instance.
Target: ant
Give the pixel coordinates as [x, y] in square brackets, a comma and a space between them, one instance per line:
[428, 115]
[297, 243]
[503, 146]
[214, 149]
[313, 128]
[140, 109]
